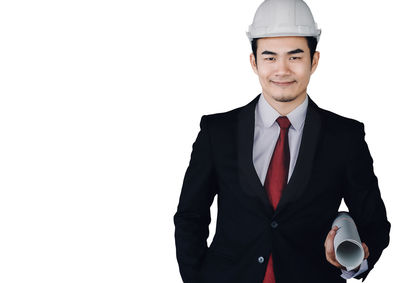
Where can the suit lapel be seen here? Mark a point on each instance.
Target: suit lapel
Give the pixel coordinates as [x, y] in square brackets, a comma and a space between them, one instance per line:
[249, 180]
[248, 177]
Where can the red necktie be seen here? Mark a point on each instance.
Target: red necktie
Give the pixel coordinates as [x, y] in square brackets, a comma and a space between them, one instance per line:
[276, 178]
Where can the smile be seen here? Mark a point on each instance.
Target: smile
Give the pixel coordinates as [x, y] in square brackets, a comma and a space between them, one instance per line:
[283, 83]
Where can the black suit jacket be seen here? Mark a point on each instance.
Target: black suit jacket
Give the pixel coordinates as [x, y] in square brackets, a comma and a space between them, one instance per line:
[334, 162]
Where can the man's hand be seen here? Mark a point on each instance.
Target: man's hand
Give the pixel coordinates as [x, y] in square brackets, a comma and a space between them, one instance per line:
[330, 252]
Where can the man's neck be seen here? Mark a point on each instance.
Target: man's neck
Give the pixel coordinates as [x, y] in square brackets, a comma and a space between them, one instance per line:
[285, 108]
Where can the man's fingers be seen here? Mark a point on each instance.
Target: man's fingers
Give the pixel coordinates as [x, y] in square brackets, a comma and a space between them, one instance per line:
[329, 249]
[366, 250]
[330, 237]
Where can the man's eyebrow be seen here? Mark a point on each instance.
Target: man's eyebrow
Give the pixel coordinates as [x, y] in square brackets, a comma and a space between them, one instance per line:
[298, 50]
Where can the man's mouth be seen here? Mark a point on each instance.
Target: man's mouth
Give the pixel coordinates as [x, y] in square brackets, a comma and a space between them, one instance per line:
[282, 83]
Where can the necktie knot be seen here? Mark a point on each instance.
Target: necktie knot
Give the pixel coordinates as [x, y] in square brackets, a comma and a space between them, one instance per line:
[283, 122]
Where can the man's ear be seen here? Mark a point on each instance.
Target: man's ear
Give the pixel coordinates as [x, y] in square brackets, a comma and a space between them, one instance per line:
[253, 63]
[315, 61]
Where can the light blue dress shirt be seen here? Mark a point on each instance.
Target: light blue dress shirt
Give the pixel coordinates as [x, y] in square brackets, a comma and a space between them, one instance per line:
[266, 133]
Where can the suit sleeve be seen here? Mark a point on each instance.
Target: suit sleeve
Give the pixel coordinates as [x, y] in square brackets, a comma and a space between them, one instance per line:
[193, 214]
[363, 198]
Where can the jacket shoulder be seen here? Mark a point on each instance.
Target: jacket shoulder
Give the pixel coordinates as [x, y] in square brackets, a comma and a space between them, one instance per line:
[336, 122]
[222, 120]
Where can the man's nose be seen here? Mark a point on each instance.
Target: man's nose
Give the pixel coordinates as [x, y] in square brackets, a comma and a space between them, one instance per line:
[282, 67]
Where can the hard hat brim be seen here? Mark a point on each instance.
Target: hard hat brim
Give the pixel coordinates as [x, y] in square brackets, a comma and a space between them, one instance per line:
[252, 36]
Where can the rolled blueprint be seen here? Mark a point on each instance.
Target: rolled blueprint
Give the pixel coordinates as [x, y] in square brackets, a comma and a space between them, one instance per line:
[347, 244]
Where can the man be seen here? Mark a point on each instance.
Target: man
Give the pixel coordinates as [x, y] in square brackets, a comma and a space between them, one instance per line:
[280, 166]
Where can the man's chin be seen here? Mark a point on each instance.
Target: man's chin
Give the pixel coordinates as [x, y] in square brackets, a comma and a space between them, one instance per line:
[284, 98]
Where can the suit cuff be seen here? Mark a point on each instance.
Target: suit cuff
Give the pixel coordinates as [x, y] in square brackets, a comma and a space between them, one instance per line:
[350, 274]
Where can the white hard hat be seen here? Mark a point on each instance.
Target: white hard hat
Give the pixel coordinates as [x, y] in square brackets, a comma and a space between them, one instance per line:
[283, 18]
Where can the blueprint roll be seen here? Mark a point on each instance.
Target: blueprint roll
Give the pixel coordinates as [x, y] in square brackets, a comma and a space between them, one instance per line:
[347, 244]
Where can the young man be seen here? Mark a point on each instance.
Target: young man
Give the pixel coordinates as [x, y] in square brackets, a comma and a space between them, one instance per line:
[280, 166]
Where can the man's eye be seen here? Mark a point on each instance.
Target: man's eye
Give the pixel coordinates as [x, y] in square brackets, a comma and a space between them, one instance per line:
[270, 58]
[295, 57]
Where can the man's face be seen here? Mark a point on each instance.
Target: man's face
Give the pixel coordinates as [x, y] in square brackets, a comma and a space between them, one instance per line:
[284, 67]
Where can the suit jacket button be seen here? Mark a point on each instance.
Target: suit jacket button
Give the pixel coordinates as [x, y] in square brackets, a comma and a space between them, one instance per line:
[260, 259]
[274, 224]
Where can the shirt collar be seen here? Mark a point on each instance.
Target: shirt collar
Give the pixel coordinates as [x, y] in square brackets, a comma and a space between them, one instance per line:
[267, 115]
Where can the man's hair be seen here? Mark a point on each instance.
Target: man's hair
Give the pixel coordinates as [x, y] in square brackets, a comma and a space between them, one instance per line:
[311, 42]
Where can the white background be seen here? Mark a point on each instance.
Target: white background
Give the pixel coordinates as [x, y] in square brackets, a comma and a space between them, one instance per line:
[100, 103]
